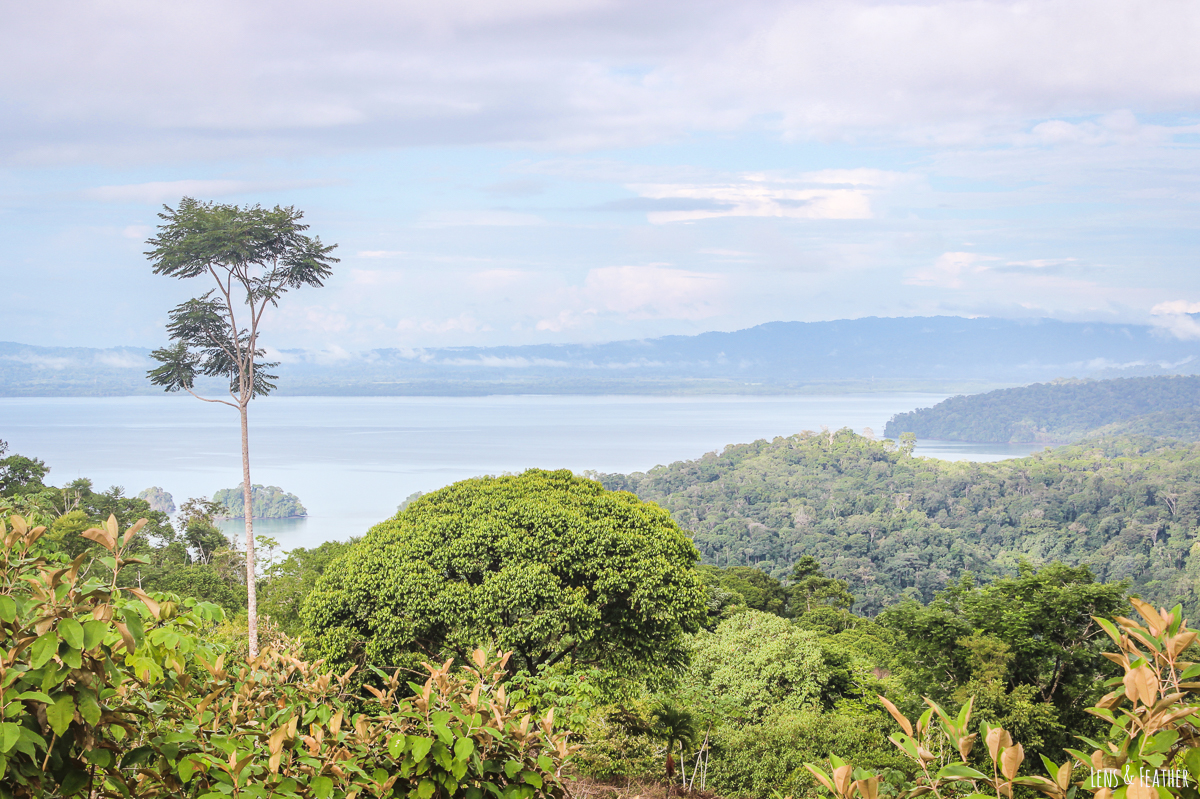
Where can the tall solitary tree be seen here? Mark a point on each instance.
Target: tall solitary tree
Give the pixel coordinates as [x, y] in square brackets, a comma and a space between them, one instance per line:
[255, 255]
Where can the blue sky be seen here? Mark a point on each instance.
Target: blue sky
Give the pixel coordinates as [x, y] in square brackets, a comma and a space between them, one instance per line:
[587, 170]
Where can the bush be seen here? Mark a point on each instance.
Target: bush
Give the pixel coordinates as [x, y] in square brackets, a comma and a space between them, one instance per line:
[545, 564]
[116, 692]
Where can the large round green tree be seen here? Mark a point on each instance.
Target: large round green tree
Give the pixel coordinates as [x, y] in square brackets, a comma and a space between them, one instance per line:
[547, 565]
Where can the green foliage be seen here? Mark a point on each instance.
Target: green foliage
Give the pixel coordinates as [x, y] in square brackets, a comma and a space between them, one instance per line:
[267, 502]
[755, 663]
[1065, 410]
[743, 586]
[198, 530]
[767, 758]
[546, 564]
[202, 581]
[1035, 631]
[288, 583]
[18, 474]
[892, 526]
[112, 692]
[811, 590]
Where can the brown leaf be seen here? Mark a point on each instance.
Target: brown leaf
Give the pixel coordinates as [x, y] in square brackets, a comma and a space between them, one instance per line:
[1010, 760]
[99, 536]
[842, 780]
[130, 644]
[898, 716]
[155, 610]
[868, 788]
[1137, 790]
[997, 739]
[132, 531]
[966, 744]
[1149, 613]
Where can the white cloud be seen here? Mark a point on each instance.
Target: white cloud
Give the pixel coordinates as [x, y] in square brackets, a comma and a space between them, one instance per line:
[825, 194]
[1175, 318]
[1175, 307]
[649, 292]
[41, 361]
[463, 323]
[588, 73]
[949, 270]
[380, 253]
[499, 362]
[121, 360]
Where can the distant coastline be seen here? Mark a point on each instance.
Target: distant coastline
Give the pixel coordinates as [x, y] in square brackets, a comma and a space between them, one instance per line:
[934, 354]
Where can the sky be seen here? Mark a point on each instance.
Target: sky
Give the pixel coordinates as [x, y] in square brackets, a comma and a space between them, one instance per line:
[534, 171]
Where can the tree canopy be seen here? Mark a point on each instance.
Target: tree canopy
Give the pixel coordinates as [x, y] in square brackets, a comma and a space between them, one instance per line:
[545, 564]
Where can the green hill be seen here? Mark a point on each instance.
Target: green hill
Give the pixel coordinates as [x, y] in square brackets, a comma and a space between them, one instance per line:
[1065, 410]
[894, 526]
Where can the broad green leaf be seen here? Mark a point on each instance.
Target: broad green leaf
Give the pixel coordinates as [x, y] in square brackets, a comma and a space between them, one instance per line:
[93, 634]
[59, 714]
[426, 788]
[76, 780]
[9, 735]
[134, 622]
[960, 771]
[8, 609]
[532, 778]
[42, 650]
[463, 748]
[420, 747]
[396, 746]
[72, 658]
[36, 696]
[89, 708]
[322, 787]
[101, 757]
[71, 632]
[512, 768]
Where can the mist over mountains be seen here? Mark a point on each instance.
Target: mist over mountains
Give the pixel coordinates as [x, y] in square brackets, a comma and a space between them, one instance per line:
[871, 354]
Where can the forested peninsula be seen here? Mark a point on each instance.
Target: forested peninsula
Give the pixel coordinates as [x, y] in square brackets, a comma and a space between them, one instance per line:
[895, 526]
[1062, 411]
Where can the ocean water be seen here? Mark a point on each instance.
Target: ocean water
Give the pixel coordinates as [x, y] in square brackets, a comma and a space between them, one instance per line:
[352, 460]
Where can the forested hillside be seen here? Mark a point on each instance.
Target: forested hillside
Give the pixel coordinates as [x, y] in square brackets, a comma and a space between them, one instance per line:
[1065, 410]
[895, 526]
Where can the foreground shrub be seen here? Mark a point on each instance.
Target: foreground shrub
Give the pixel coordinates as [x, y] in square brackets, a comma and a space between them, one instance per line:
[113, 692]
[1151, 751]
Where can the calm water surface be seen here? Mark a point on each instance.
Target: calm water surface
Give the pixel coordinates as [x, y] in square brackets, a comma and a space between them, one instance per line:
[352, 460]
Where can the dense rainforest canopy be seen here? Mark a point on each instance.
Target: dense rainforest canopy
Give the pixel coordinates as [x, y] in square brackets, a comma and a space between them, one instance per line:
[1064, 410]
[894, 526]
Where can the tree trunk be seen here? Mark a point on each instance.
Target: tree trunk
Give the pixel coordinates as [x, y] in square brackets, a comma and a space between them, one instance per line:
[248, 511]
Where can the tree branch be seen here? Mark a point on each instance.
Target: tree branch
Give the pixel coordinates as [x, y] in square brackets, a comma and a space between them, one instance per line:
[206, 399]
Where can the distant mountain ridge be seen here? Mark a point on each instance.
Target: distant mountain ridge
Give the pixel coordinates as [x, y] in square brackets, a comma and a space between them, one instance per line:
[852, 354]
